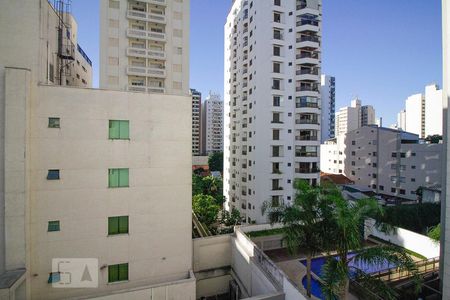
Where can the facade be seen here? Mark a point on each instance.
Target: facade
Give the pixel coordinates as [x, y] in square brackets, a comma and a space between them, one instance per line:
[272, 102]
[388, 161]
[401, 120]
[428, 108]
[88, 173]
[328, 106]
[445, 211]
[212, 124]
[196, 122]
[145, 46]
[353, 117]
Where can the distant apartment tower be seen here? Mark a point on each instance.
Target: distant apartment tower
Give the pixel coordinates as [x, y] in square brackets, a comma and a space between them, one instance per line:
[144, 46]
[388, 161]
[328, 106]
[401, 120]
[196, 122]
[354, 116]
[212, 124]
[424, 112]
[272, 102]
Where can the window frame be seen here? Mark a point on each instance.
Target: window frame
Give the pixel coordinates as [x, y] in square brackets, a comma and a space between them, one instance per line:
[54, 226]
[122, 223]
[123, 130]
[118, 275]
[120, 172]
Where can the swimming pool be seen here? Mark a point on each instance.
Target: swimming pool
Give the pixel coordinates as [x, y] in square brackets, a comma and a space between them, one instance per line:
[318, 262]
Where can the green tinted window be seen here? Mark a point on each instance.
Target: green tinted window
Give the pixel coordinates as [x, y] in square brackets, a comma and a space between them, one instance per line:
[119, 130]
[118, 178]
[118, 272]
[117, 225]
[53, 226]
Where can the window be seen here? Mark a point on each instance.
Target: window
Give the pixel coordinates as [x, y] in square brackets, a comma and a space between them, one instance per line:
[277, 17]
[118, 272]
[374, 175]
[374, 165]
[118, 178]
[53, 122]
[53, 226]
[353, 163]
[276, 100]
[276, 51]
[276, 67]
[276, 84]
[117, 225]
[394, 154]
[413, 180]
[277, 2]
[353, 143]
[402, 192]
[402, 155]
[381, 187]
[353, 153]
[51, 72]
[53, 175]
[353, 173]
[374, 154]
[393, 190]
[413, 167]
[119, 130]
[276, 134]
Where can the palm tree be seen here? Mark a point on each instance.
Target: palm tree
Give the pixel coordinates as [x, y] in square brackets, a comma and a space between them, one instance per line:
[304, 222]
[346, 235]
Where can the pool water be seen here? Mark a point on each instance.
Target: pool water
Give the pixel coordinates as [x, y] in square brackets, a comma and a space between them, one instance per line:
[317, 264]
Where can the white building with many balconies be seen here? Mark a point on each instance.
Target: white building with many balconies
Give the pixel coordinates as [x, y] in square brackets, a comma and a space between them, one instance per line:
[354, 116]
[212, 124]
[196, 122]
[272, 101]
[144, 46]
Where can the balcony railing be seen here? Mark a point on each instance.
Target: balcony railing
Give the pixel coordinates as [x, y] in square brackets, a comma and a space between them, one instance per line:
[308, 38]
[142, 52]
[307, 88]
[145, 71]
[145, 89]
[144, 34]
[307, 72]
[307, 121]
[313, 55]
[308, 22]
[311, 170]
[144, 16]
[305, 154]
[306, 138]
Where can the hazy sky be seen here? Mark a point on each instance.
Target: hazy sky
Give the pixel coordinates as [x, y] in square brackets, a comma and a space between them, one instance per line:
[381, 51]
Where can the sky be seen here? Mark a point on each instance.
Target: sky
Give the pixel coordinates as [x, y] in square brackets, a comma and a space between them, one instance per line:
[380, 51]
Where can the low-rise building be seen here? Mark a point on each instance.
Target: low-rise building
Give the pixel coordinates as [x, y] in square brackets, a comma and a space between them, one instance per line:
[390, 162]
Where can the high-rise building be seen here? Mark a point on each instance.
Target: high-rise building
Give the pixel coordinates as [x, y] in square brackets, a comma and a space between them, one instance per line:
[196, 121]
[212, 124]
[445, 211]
[401, 120]
[328, 106]
[88, 174]
[354, 116]
[424, 112]
[272, 102]
[144, 46]
[388, 161]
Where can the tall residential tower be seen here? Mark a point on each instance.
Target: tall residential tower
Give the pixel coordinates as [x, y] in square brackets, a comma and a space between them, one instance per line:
[144, 46]
[212, 124]
[328, 106]
[272, 101]
[196, 122]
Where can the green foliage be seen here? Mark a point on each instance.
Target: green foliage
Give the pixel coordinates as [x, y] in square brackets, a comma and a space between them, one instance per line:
[435, 233]
[415, 217]
[230, 219]
[215, 161]
[205, 208]
[208, 185]
[268, 232]
[434, 139]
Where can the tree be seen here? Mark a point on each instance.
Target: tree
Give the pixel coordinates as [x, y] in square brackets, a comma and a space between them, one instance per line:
[434, 139]
[304, 222]
[435, 233]
[213, 186]
[205, 208]
[230, 219]
[215, 161]
[346, 235]
[197, 185]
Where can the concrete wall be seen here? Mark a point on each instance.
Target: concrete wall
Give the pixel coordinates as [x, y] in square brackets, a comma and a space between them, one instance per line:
[407, 239]
[212, 253]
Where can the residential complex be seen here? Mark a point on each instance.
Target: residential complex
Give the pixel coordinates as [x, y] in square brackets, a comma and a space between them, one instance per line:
[272, 102]
[196, 122]
[353, 117]
[445, 207]
[328, 106]
[144, 46]
[212, 124]
[423, 114]
[390, 162]
[89, 173]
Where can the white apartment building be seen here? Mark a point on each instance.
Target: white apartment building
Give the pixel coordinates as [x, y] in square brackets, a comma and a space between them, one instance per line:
[353, 117]
[212, 124]
[196, 122]
[445, 211]
[388, 161]
[272, 101]
[424, 112]
[144, 46]
[328, 106]
[88, 173]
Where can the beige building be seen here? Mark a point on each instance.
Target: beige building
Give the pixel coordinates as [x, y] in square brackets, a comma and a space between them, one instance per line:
[88, 173]
[354, 116]
[388, 161]
[145, 46]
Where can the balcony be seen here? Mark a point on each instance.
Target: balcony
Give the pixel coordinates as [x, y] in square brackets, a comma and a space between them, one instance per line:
[307, 88]
[145, 89]
[156, 2]
[306, 138]
[144, 34]
[308, 41]
[145, 71]
[310, 170]
[147, 17]
[307, 121]
[313, 71]
[142, 52]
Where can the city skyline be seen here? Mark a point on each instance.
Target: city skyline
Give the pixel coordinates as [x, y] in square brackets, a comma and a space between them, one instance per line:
[345, 48]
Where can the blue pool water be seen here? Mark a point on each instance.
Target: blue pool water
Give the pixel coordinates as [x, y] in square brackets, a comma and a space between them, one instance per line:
[316, 267]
